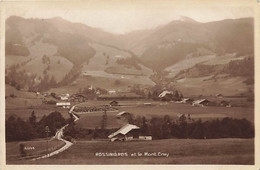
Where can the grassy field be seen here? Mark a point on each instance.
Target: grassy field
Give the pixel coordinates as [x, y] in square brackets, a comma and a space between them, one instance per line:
[181, 151]
[172, 109]
[203, 86]
[187, 63]
[25, 102]
[118, 83]
[93, 120]
[116, 77]
[40, 147]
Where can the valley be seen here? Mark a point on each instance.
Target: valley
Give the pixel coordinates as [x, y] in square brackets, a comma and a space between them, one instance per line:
[185, 86]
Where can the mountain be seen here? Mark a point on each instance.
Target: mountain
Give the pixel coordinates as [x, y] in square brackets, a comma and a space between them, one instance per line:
[187, 38]
[58, 54]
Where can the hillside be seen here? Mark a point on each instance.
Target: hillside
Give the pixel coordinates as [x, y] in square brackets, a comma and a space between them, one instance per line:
[181, 151]
[58, 54]
[190, 39]
[233, 78]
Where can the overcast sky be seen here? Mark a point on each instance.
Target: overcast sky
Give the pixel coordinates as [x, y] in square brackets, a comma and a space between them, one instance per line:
[128, 15]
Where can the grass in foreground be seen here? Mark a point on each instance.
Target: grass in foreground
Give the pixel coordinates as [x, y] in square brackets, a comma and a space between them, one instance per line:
[181, 151]
[32, 148]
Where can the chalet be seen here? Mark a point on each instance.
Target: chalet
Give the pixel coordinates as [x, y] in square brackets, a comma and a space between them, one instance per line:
[201, 102]
[187, 100]
[166, 95]
[123, 114]
[63, 104]
[127, 133]
[114, 103]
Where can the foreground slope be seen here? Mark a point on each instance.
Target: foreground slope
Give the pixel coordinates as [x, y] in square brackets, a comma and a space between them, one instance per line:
[181, 151]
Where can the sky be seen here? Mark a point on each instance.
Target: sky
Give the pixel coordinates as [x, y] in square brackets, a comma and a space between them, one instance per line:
[120, 17]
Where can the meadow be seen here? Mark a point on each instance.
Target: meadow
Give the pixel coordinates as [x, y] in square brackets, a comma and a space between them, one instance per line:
[34, 148]
[93, 120]
[160, 109]
[181, 151]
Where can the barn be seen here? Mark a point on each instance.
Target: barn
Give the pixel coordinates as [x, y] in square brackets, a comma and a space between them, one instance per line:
[127, 133]
[166, 95]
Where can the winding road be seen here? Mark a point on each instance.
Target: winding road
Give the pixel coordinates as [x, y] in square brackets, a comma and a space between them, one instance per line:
[59, 135]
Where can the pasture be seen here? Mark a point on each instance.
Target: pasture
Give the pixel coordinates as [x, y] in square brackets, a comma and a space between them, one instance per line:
[93, 120]
[181, 151]
[32, 148]
[207, 86]
[157, 108]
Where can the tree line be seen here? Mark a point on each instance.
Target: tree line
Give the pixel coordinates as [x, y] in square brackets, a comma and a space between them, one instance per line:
[18, 129]
[166, 128]
[185, 127]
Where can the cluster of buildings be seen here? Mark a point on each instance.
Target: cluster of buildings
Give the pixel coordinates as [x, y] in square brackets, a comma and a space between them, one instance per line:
[169, 95]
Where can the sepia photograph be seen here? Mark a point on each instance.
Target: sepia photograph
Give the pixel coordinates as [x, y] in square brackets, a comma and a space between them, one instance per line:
[129, 82]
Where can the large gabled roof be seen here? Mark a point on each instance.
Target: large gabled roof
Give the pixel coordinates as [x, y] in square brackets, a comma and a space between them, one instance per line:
[124, 130]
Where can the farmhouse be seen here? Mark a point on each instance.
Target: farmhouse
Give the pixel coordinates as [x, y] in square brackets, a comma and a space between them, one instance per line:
[201, 103]
[123, 114]
[63, 104]
[127, 133]
[166, 95]
[187, 100]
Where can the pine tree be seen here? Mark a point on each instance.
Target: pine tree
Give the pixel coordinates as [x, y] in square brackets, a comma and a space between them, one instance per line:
[32, 119]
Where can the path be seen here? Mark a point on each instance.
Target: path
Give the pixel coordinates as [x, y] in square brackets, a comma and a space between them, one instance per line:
[59, 135]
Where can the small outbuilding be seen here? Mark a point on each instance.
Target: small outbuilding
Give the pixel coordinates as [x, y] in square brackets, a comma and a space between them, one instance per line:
[63, 104]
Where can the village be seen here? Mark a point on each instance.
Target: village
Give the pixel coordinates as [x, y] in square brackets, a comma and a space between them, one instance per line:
[114, 101]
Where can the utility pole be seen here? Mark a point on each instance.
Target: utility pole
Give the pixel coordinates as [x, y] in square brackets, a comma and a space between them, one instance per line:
[47, 130]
